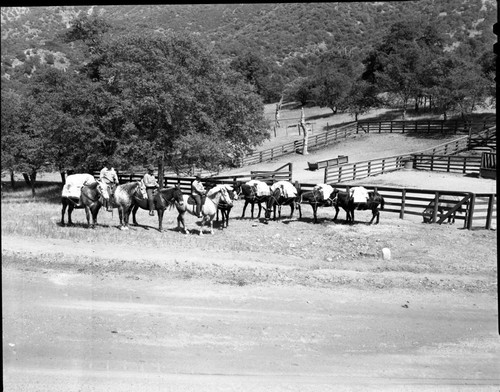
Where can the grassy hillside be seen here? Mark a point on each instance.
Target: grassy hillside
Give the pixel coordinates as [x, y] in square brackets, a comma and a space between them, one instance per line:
[277, 31]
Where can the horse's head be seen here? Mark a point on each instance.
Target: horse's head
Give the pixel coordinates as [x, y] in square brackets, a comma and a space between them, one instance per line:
[177, 195]
[233, 194]
[225, 196]
[103, 190]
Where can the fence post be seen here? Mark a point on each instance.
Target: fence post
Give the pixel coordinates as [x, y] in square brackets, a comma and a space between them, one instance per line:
[379, 126]
[470, 215]
[436, 205]
[428, 127]
[490, 212]
[391, 126]
[403, 201]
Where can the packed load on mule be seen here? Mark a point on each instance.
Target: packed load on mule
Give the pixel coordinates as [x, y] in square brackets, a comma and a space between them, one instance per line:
[74, 183]
[208, 209]
[322, 195]
[82, 191]
[254, 192]
[283, 193]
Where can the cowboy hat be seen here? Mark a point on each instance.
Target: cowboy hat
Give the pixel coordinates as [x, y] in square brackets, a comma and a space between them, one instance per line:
[151, 168]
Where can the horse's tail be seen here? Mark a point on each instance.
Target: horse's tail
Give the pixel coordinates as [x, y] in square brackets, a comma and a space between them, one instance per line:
[382, 202]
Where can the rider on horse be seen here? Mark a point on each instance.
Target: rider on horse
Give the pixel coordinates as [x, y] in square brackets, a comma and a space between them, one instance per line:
[198, 193]
[109, 178]
[151, 184]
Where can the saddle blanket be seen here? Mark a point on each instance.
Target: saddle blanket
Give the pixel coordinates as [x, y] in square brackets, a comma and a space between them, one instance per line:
[262, 188]
[325, 190]
[217, 188]
[74, 183]
[142, 188]
[287, 187]
[359, 194]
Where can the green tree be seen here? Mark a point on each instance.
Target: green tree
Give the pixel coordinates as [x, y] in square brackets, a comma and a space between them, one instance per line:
[361, 98]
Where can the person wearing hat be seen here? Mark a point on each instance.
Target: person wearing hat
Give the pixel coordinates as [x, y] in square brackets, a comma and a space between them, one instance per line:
[108, 177]
[151, 184]
[198, 192]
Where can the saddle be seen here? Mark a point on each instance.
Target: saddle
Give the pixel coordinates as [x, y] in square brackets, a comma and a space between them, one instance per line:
[192, 201]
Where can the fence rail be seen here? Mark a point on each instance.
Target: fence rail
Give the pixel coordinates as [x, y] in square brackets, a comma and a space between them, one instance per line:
[428, 126]
[447, 163]
[316, 141]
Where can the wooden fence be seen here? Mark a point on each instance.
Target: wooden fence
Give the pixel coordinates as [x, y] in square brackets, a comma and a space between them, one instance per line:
[447, 163]
[328, 162]
[330, 136]
[429, 126]
[480, 208]
[275, 175]
[488, 167]
[283, 173]
[363, 169]
[317, 141]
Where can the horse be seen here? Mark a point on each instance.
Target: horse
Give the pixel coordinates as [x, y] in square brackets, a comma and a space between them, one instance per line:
[315, 199]
[279, 199]
[444, 207]
[372, 203]
[162, 199]
[129, 198]
[208, 209]
[90, 199]
[250, 195]
[225, 208]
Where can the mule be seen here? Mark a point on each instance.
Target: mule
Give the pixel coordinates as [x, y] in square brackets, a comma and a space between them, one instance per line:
[341, 200]
[278, 199]
[249, 193]
[315, 199]
[372, 203]
[208, 209]
[91, 199]
[444, 207]
[129, 198]
[82, 191]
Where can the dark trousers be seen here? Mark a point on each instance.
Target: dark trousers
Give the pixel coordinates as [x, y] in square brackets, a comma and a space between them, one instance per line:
[197, 199]
[151, 203]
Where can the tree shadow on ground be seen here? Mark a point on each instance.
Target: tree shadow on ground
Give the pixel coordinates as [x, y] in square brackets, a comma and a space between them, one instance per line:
[45, 191]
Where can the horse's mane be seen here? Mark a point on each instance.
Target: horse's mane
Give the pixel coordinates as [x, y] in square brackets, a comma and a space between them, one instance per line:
[129, 186]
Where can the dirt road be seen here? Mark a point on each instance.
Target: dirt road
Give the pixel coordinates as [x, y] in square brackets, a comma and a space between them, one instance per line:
[69, 327]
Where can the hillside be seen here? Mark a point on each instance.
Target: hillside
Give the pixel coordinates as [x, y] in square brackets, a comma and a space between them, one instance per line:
[277, 31]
